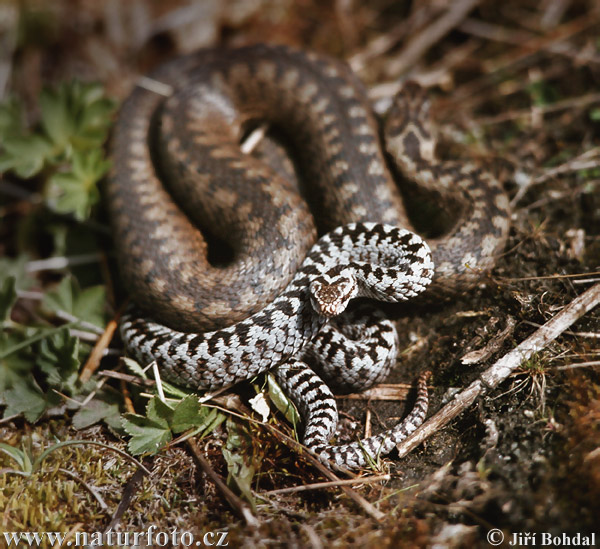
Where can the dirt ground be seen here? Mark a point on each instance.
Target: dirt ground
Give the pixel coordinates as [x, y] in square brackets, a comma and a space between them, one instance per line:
[513, 83]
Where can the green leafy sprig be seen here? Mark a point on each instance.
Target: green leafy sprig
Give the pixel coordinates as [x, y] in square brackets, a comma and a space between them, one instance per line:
[65, 148]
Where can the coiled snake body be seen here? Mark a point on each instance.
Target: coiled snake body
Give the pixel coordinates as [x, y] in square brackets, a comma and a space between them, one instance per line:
[278, 298]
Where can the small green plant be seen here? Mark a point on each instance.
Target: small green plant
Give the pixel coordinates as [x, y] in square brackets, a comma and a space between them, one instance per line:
[152, 431]
[65, 149]
[40, 364]
[30, 463]
[542, 93]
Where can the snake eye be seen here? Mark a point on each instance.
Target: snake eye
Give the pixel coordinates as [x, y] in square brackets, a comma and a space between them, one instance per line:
[330, 297]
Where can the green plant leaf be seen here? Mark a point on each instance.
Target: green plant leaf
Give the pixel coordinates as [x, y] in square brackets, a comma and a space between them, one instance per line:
[282, 402]
[159, 411]
[16, 268]
[25, 155]
[186, 414]
[134, 367]
[190, 414]
[24, 397]
[76, 191]
[11, 119]
[240, 472]
[13, 366]
[86, 305]
[58, 120]
[147, 436]
[58, 358]
[97, 410]
[8, 296]
[76, 116]
[15, 454]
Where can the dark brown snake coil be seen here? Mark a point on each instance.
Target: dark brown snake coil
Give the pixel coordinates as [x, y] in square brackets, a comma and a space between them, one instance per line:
[191, 174]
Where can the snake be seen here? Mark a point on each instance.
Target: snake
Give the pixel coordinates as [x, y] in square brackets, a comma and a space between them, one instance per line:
[238, 264]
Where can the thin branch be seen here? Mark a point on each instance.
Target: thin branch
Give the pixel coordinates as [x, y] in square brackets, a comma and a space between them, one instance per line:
[61, 262]
[332, 484]
[383, 391]
[504, 367]
[93, 361]
[237, 504]
[591, 363]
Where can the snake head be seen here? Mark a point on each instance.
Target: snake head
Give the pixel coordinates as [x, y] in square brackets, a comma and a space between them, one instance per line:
[331, 292]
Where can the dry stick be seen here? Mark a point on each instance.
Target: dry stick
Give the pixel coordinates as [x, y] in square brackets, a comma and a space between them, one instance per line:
[497, 373]
[382, 391]
[236, 503]
[101, 345]
[430, 35]
[332, 484]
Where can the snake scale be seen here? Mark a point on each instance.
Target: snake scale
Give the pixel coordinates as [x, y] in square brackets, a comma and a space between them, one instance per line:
[181, 187]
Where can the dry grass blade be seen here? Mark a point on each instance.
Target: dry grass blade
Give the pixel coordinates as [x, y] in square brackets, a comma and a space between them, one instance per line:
[332, 484]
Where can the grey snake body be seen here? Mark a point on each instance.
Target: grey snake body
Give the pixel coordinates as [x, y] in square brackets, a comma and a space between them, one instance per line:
[209, 326]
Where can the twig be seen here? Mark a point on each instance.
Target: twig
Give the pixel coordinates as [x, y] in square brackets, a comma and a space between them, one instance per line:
[9, 25]
[567, 332]
[61, 262]
[430, 35]
[128, 378]
[592, 363]
[236, 503]
[479, 355]
[93, 361]
[150, 84]
[546, 277]
[332, 484]
[439, 73]
[383, 391]
[553, 13]
[255, 137]
[85, 336]
[492, 31]
[127, 397]
[158, 379]
[64, 315]
[504, 367]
